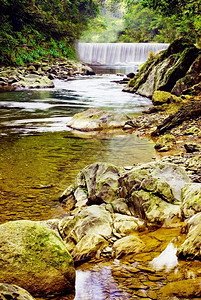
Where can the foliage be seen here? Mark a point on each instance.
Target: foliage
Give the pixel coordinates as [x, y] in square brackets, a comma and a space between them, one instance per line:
[31, 29]
[185, 14]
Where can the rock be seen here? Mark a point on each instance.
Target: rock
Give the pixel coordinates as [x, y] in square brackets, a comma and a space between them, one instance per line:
[191, 78]
[184, 289]
[86, 232]
[34, 81]
[94, 119]
[192, 147]
[125, 225]
[168, 71]
[120, 206]
[35, 258]
[98, 181]
[161, 97]
[165, 143]
[191, 199]
[128, 245]
[13, 292]
[130, 75]
[191, 248]
[154, 209]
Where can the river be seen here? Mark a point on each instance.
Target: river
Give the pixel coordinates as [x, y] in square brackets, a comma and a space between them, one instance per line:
[40, 156]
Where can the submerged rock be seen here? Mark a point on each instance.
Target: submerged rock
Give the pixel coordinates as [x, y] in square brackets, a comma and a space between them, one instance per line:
[13, 292]
[35, 258]
[95, 119]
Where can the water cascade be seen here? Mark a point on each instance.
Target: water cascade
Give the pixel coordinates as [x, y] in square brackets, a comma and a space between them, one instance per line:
[116, 53]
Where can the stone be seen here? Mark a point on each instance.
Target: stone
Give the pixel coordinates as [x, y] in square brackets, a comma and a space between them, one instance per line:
[13, 292]
[184, 289]
[165, 143]
[120, 206]
[191, 199]
[84, 232]
[35, 258]
[95, 119]
[99, 182]
[194, 130]
[128, 245]
[153, 209]
[124, 225]
[191, 248]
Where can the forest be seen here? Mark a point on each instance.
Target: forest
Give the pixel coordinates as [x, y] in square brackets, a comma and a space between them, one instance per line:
[32, 30]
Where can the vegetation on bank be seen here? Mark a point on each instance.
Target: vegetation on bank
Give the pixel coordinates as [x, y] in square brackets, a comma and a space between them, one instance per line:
[147, 21]
[32, 30]
[35, 30]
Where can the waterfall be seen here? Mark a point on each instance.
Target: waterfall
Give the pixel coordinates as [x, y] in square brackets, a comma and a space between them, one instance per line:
[116, 53]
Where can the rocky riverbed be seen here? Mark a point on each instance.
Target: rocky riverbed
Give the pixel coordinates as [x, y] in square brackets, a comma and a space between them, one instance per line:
[40, 75]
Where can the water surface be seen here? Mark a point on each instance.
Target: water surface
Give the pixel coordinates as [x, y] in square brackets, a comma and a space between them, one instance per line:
[40, 156]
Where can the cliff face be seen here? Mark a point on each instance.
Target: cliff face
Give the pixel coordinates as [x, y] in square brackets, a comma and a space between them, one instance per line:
[175, 70]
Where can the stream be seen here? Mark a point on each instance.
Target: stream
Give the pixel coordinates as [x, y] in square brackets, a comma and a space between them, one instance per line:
[40, 156]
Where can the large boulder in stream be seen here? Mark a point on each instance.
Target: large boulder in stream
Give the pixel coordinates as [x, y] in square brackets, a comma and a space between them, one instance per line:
[95, 119]
[34, 81]
[35, 258]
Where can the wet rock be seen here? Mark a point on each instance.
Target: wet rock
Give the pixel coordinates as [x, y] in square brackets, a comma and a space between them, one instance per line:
[191, 199]
[184, 289]
[94, 119]
[35, 258]
[191, 248]
[127, 245]
[165, 143]
[194, 130]
[13, 292]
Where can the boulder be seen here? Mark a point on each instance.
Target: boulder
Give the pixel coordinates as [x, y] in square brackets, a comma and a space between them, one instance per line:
[191, 199]
[95, 119]
[86, 233]
[35, 258]
[165, 143]
[191, 248]
[172, 70]
[124, 225]
[97, 183]
[13, 292]
[130, 244]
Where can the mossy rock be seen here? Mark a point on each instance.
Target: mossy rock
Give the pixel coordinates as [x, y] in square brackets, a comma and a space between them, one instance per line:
[165, 143]
[161, 97]
[35, 258]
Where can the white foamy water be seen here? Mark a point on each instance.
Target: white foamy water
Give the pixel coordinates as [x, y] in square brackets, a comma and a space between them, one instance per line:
[166, 260]
[117, 53]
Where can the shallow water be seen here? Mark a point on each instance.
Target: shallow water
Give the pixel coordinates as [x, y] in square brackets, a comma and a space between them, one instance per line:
[40, 156]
